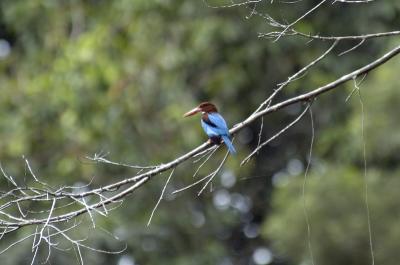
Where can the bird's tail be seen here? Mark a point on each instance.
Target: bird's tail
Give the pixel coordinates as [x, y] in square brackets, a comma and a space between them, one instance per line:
[229, 144]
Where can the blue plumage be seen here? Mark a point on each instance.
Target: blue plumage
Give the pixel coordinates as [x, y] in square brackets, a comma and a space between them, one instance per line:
[214, 125]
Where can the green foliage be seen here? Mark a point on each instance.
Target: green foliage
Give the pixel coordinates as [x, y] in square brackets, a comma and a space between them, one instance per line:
[335, 204]
[116, 76]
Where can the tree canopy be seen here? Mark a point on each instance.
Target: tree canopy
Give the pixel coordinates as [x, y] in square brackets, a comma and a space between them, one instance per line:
[114, 78]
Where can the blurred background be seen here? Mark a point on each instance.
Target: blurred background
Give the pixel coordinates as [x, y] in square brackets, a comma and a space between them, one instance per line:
[83, 77]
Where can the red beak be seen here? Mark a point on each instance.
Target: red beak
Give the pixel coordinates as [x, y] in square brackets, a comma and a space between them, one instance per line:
[192, 112]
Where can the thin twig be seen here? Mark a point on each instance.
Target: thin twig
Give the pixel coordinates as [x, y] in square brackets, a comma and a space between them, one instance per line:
[257, 149]
[353, 48]
[364, 153]
[211, 177]
[306, 217]
[300, 18]
[295, 76]
[205, 161]
[161, 197]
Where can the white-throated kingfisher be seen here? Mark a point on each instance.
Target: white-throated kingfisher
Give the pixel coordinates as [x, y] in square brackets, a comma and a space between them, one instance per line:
[213, 124]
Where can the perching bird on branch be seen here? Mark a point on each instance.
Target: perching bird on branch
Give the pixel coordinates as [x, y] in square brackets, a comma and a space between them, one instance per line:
[213, 124]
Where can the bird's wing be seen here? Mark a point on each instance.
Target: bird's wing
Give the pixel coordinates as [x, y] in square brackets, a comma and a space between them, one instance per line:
[220, 125]
[209, 129]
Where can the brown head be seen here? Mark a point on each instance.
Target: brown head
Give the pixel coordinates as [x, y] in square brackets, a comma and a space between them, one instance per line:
[206, 107]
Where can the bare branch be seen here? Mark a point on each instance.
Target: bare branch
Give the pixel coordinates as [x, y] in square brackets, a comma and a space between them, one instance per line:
[320, 90]
[305, 212]
[138, 180]
[293, 32]
[300, 18]
[161, 197]
[212, 175]
[57, 207]
[257, 149]
[295, 76]
[101, 159]
[232, 4]
[353, 1]
[353, 48]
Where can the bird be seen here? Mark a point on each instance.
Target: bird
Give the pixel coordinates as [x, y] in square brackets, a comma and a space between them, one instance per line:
[213, 124]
